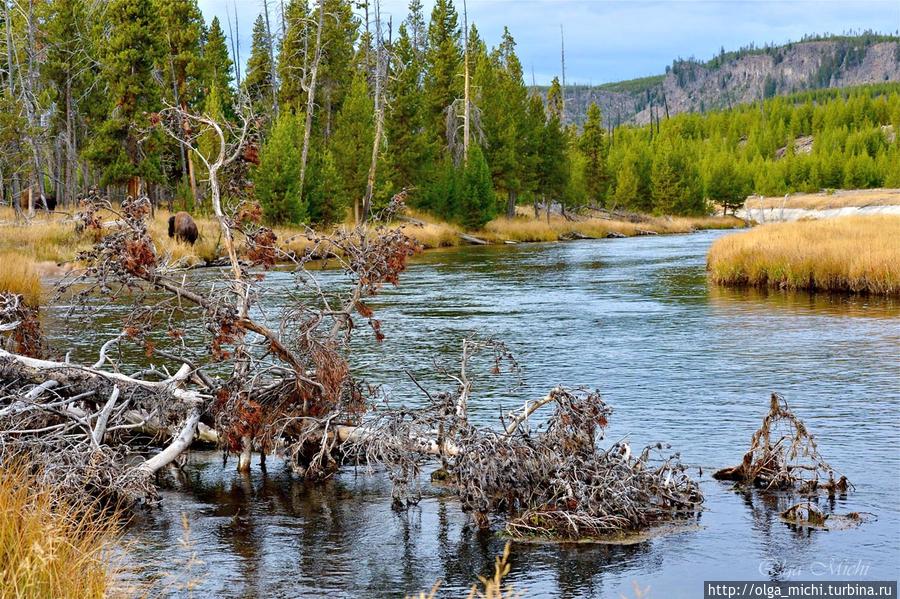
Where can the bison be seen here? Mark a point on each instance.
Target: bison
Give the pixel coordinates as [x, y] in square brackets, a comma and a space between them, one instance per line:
[49, 202]
[183, 228]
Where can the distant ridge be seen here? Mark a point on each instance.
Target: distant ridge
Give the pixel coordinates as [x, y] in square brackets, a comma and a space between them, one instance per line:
[742, 76]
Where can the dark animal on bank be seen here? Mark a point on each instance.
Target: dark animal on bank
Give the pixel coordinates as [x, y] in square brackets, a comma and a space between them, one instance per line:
[50, 203]
[183, 228]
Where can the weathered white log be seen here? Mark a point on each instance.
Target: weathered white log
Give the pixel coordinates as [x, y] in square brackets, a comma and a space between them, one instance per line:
[170, 385]
[104, 348]
[181, 442]
[244, 457]
[103, 418]
[472, 239]
[530, 408]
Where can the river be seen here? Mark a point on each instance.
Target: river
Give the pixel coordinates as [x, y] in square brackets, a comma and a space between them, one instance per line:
[679, 362]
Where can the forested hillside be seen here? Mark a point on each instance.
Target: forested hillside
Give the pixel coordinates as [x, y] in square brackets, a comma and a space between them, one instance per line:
[745, 75]
[344, 114]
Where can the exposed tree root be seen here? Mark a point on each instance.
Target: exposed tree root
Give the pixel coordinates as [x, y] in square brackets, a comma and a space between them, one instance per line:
[783, 455]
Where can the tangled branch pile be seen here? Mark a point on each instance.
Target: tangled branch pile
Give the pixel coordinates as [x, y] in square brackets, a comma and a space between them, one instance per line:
[783, 455]
[552, 482]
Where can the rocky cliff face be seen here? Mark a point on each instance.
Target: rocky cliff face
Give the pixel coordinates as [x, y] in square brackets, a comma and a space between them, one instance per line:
[741, 77]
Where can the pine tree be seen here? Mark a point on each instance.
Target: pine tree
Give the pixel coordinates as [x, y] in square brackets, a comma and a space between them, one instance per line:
[351, 143]
[132, 51]
[504, 104]
[443, 64]
[415, 25]
[336, 72]
[553, 167]
[218, 67]
[183, 66]
[477, 203]
[322, 190]
[276, 180]
[593, 146]
[74, 88]
[628, 182]
[408, 153]
[555, 100]
[723, 183]
[294, 55]
[258, 79]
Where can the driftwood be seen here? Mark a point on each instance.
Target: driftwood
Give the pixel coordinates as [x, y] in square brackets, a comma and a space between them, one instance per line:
[555, 483]
[783, 455]
[472, 239]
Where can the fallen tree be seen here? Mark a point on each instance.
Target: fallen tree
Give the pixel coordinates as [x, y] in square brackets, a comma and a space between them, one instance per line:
[200, 358]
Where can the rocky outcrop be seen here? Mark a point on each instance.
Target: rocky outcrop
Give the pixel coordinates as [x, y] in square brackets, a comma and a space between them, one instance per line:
[741, 77]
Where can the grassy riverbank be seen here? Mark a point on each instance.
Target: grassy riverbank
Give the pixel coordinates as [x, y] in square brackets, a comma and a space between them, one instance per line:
[50, 547]
[857, 254]
[50, 239]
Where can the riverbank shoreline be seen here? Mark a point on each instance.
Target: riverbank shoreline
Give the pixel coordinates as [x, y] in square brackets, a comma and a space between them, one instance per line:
[53, 244]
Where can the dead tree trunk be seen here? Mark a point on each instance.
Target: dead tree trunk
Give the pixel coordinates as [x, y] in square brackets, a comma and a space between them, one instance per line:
[310, 89]
[380, 67]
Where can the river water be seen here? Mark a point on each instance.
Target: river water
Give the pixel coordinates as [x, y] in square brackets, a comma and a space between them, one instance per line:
[679, 362]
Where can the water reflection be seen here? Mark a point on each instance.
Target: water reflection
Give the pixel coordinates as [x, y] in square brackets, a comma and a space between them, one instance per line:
[764, 300]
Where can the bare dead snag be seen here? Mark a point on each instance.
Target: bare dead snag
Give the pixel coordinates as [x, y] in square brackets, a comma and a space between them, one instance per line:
[554, 484]
[783, 455]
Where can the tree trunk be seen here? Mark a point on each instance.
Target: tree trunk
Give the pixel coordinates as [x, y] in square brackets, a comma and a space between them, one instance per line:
[511, 198]
[311, 95]
[379, 117]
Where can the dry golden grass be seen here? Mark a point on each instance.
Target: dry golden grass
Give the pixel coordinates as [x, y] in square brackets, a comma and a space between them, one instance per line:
[50, 238]
[45, 238]
[854, 253]
[842, 198]
[51, 548]
[527, 228]
[19, 275]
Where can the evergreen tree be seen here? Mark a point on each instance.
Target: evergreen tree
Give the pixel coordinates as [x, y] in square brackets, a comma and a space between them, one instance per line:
[477, 203]
[555, 100]
[294, 55]
[443, 64]
[504, 104]
[723, 183]
[336, 71]
[408, 151]
[322, 190]
[276, 180]
[351, 143]
[132, 51]
[183, 68]
[553, 168]
[415, 25]
[218, 67]
[628, 182]
[258, 79]
[593, 147]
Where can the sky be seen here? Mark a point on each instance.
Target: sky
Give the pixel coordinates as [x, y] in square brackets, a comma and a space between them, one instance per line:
[613, 40]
